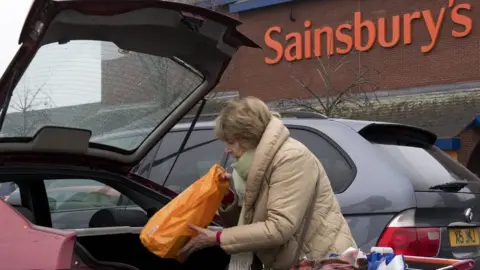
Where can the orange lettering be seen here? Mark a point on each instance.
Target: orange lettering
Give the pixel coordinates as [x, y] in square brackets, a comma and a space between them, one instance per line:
[462, 20]
[293, 51]
[382, 32]
[433, 28]
[363, 34]
[407, 26]
[359, 24]
[344, 38]
[274, 45]
[318, 41]
[307, 40]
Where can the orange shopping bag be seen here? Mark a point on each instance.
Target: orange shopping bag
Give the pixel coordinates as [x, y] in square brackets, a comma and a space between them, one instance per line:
[167, 231]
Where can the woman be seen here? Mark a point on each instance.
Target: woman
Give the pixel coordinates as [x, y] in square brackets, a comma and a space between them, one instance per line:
[288, 209]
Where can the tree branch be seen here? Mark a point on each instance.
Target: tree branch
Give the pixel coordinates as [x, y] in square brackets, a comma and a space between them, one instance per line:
[329, 97]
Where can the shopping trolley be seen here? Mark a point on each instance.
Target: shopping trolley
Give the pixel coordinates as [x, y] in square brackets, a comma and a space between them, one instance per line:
[428, 263]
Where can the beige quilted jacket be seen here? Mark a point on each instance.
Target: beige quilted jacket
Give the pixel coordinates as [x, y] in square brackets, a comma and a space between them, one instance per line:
[279, 188]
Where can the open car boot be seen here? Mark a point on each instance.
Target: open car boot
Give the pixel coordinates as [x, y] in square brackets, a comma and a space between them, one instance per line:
[148, 63]
[105, 244]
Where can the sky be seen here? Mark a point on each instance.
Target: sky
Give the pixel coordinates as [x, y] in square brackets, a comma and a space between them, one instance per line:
[12, 16]
[69, 74]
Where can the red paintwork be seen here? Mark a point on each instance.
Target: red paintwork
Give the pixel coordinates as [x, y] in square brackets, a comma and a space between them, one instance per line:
[24, 246]
[42, 159]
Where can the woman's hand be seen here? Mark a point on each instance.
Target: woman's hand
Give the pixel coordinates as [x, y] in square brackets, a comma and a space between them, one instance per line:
[226, 176]
[230, 196]
[205, 238]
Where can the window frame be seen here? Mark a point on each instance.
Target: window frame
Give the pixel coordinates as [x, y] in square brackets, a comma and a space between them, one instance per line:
[335, 146]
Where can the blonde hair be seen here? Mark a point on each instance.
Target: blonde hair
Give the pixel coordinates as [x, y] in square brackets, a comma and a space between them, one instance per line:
[244, 121]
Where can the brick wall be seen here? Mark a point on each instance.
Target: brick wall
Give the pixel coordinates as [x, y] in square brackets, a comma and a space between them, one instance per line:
[452, 60]
[469, 139]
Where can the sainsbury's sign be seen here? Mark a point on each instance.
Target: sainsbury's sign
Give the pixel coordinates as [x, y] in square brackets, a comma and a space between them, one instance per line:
[345, 37]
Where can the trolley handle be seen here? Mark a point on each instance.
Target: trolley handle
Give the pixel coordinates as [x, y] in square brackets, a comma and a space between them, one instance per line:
[443, 264]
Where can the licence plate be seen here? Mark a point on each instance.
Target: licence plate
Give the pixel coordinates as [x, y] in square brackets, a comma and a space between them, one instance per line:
[464, 237]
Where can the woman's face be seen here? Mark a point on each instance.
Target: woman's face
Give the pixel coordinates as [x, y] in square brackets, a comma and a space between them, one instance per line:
[234, 149]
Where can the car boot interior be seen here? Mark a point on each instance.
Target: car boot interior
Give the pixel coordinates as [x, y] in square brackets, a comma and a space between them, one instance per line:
[113, 236]
[109, 239]
[127, 249]
[110, 243]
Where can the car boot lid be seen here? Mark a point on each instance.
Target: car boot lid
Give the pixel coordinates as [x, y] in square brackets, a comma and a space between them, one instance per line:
[195, 43]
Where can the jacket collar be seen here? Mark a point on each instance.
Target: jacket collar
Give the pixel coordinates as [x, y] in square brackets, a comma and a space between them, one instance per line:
[272, 139]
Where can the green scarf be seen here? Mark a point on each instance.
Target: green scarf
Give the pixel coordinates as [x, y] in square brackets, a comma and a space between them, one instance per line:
[241, 168]
[243, 164]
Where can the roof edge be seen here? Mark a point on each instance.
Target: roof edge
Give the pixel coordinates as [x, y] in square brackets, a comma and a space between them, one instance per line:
[448, 143]
[253, 4]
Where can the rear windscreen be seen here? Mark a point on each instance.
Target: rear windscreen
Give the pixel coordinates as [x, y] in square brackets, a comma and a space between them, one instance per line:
[427, 167]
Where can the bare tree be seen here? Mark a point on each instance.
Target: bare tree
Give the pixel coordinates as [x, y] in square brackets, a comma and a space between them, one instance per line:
[332, 98]
[32, 107]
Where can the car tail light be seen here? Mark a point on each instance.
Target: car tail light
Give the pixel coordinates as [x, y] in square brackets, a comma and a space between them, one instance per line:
[404, 238]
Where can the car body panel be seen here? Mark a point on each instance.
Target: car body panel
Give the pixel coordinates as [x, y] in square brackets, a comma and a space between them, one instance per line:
[447, 210]
[356, 199]
[366, 228]
[20, 237]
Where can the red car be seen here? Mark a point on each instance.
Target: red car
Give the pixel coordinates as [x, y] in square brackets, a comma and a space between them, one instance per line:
[86, 68]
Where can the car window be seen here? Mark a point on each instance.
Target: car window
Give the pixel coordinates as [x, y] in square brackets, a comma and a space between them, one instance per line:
[124, 142]
[155, 87]
[427, 167]
[339, 171]
[10, 192]
[73, 201]
[201, 152]
[163, 160]
[78, 194]
[51, 184]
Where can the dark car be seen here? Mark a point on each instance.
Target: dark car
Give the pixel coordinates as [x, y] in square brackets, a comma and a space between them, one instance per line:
[156, 58]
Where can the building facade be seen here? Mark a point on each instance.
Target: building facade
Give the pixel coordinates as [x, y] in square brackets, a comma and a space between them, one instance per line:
[420, 58]
[404, 44]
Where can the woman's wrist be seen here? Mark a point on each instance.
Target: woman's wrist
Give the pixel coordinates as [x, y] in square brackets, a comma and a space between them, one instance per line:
[229, 198]
[217, 237]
